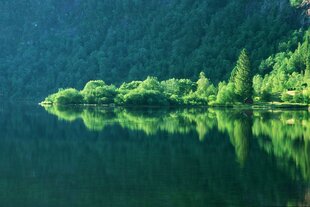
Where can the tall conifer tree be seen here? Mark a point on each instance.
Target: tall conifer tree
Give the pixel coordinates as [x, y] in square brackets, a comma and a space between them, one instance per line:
[243, 78]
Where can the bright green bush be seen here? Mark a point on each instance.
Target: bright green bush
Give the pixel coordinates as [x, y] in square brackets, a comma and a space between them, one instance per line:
[126, 87]
[298, 97]
[97, 92]
[296, 2]
[226, 93]
[306, 95]
[179, 87]
[142, 96]
[195, 99]
[286, 97]
[67, 96]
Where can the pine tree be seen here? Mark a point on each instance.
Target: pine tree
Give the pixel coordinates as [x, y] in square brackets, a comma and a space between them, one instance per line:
[307, 73]
[233, 75]
[243, 78]
[307, 70]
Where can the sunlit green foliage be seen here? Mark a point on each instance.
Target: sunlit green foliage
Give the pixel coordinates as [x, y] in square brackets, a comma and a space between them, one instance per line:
[289, 77]
[242, 78]
[226, 93]
[297, 2]
[120, 41]
[204, 94]
[177, 89]
[283, 77]
[97, 92]
[65, 97]
[147, 92]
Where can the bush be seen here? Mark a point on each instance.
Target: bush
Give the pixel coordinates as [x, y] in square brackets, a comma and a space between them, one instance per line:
[68, 96]
[298, 98]
[97, 92]
[179, 87]
[145, 97]
[306, 95]
[126, 87]
[286, 97]
[226, 93]
[266, 96]
[195, 99]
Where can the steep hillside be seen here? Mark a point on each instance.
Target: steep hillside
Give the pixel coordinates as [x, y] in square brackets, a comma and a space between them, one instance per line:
[47, 45]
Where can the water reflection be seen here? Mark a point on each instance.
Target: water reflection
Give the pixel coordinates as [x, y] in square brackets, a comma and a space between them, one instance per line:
[285, 134]
[148, 120]
[288, 136]
[152, 157]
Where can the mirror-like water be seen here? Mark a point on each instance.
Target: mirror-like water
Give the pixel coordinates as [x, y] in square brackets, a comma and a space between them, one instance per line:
[60, 156]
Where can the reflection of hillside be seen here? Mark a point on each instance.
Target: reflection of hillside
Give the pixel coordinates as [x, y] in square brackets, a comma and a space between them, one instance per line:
[288, 137]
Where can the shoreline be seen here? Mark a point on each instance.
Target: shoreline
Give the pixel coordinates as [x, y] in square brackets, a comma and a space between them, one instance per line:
[258, 106]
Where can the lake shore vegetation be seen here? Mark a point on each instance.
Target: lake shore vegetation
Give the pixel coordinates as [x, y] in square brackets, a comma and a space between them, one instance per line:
[288, 82]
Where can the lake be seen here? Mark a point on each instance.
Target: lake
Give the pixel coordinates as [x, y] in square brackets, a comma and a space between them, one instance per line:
[96, 156]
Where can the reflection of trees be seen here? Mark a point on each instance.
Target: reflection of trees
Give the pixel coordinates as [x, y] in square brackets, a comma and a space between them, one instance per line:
[238, 127]
[288, 136]
[150, 121]
[65, 113]
[95, 119]
[51, 163]
[78, 171]
[284, 134]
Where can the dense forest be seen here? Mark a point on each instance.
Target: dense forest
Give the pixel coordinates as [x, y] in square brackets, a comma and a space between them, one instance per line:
[47, 45]
[288, 82]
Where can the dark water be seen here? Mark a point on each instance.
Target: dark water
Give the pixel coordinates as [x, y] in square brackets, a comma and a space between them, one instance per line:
[153, 157]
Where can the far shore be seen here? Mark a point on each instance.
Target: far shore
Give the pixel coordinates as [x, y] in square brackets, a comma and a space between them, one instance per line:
[266, 105]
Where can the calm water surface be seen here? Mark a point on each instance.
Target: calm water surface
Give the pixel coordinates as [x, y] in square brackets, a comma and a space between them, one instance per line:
[95, 157]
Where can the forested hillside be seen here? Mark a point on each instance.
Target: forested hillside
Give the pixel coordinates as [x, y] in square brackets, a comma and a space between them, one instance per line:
[46, 45]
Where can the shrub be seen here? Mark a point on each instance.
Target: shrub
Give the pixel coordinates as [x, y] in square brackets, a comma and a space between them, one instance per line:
[68, 96]
[97, 92]
[226, 93]
[145, 97]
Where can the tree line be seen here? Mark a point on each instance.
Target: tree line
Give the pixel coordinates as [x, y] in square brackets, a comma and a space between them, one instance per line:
[59, 44]
[288, 81]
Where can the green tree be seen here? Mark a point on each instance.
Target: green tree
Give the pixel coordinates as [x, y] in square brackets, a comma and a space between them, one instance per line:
[68, 96]
[206, 91]
[243, 78]
[307, 73]
[98, 92]
[296, 2]
[226, 93]
[202, 83]
[307, 54]
[257, 84]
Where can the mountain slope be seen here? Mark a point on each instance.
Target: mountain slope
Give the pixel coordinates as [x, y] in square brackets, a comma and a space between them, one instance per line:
[54, 44]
